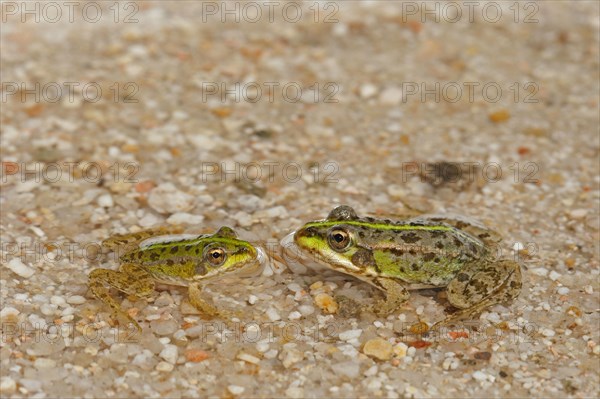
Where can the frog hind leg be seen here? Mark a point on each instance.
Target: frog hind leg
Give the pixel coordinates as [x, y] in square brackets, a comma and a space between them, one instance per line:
[477, 287]
[396, 294]
[131, 279]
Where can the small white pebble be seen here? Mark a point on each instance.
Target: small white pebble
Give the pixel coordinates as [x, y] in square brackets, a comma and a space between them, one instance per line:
[578, 213]
[252, 299]
[248, 358]
[378, 324]
[91, 350]
[76, 300]
[562, 290]
[8, 313]
[262, 346]
[105, 201]
[420, 309]
[20, 268]
[7, 386]
[546, 332]
[164, 366]
[540, 271]
[588, 289]
[185, 218]
[169, 353]
[306, 310]
[273, 315]
[236, 389]
[368, 90]
[480, 376]
[294, 315]
[350, 334]
[554, 275]
[518, 246]
[58, 300]
[44, 363]
[294, 287]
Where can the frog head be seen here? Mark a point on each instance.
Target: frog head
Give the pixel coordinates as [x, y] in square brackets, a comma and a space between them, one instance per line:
[334, 241]
[224, 253]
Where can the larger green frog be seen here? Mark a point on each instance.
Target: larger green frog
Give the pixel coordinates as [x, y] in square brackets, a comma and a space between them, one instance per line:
[398, 256]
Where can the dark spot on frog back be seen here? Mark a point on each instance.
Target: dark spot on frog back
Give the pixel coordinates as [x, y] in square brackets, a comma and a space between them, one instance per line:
[428, 257]
[410, 238]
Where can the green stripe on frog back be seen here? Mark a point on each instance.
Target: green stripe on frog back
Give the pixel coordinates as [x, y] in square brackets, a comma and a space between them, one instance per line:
[392, 226]
[382, 226]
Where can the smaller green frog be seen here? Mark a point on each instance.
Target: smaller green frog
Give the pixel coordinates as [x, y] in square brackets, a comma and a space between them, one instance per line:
[421, 252]
[187, 260]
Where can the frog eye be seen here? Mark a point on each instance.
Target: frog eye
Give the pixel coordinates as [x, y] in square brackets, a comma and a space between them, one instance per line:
[339, 239]
[216, 256]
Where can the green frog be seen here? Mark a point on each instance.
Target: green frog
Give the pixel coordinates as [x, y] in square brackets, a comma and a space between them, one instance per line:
[420, 252]
[157, 255]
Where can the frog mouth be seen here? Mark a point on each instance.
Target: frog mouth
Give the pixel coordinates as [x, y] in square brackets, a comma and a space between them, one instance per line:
[298, 260]
[252, 267]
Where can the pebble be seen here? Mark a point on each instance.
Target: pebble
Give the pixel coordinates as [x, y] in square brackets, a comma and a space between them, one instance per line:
[76, 300]
[578, 213]
[450, 363]
[44, 363]
[306, 310]
[378, 348]
[546, 332]
[481, 376]
[164, 327]
[164, 366]
[294, 315]
[295, 392]
[554, 275]
[348, 369]
[105, 201]
[562, 290]
[252, 299]
[249, 203]
[349, 335]
[20, 268]
[169, 353]
[185, 218]
[8, 386]
[539, 271]
[196, 355]
[58, 300]
[248, 358]
[326, 303]
[243, 219]
[273, 315]
[290, 356]
[368, 90]
[8, 315]
[166, 198]
[391, 96]
[400, 349]
[236, 389]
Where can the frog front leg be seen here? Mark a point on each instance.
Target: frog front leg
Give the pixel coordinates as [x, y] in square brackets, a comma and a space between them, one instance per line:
[482, 284]
[395, 295]
[131, 279]
[204, 306]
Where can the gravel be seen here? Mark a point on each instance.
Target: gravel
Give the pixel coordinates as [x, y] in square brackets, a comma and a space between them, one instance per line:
[160, 147]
